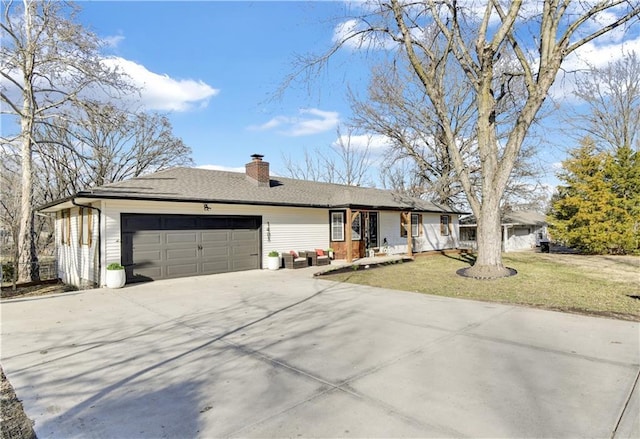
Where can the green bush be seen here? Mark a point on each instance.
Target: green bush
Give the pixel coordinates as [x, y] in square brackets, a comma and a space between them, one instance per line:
[273, 253]
[115, 266]
[7, 271]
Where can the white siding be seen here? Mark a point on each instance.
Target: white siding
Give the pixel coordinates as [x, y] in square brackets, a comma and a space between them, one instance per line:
[77, 263]
[519, 239]
[390, 230]
[283, 228]
[432, 239]
[429, 240]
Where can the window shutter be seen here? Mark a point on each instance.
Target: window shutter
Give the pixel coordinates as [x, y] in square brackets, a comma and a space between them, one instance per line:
[420, 225]
[403, 225]
[65, 229]
[89, 228]
[80, 223]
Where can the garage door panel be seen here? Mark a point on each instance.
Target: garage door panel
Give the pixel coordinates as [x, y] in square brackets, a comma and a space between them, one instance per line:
[181, 270]
[244, 263]
[143, 272]
[169, 246]
[181, 253]
[243, 250]
[147, 256]
[181, 237]
[216, 236]
[215, 253]
[243, 235]
[214, 267]
[147, 238]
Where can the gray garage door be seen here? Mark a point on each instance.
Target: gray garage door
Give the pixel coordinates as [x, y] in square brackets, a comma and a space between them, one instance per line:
[167, 246]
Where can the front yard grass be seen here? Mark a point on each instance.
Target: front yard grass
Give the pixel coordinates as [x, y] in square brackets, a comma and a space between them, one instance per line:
[602, 285]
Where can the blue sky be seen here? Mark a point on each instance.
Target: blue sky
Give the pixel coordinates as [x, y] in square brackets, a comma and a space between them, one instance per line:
[214, 68]
[229, 59]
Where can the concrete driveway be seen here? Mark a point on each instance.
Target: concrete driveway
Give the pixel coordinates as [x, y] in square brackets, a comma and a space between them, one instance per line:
[279, 354]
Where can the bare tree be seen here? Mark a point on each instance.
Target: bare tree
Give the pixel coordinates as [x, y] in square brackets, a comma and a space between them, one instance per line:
[10, 210]
[534, 39]
[103, 144]
[612, 95]
[9, 206]
[398, 109]
[48, 62]
[344, 163]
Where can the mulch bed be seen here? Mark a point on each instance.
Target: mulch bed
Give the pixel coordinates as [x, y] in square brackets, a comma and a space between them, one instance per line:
[14, 423]
[35, 289]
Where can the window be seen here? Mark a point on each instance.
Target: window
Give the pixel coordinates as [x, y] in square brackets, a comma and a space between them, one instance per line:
[337, 226]
[356, 227]
[415, 224]
[444, 225]
[372, 229]
[65, 227]
[86, 226]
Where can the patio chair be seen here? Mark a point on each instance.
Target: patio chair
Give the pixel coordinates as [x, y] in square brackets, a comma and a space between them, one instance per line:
[294, 260]
[317, 257]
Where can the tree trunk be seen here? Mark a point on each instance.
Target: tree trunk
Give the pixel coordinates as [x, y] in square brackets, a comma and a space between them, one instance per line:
[488, 264]
[25, 235]
[27, 124]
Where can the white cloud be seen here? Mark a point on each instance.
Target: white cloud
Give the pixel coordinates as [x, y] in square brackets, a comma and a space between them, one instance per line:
[113, 41]
[362, 141]
[597, 54]
[308, 121]
[162, 92]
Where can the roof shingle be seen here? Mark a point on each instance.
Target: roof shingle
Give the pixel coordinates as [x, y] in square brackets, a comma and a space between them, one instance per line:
[211, 186]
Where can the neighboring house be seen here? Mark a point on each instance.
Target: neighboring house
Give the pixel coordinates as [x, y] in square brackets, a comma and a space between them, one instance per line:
[188, 221]
[521, 230]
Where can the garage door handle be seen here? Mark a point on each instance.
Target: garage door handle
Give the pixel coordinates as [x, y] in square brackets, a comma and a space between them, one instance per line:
[253, 254]
[199, 247]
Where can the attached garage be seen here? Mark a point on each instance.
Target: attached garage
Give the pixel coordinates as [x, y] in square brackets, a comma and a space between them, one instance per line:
[169, 246]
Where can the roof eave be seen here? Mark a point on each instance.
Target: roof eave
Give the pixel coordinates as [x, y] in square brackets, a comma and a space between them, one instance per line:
[91, 195]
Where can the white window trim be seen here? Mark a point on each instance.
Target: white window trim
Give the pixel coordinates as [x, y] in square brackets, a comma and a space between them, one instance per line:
[85, 227]
[335, 223]
[444, 226]
[415, 233]
[358, 236]
[65, 227]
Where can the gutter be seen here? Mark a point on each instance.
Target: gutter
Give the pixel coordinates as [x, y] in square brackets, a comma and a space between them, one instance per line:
[73, 201]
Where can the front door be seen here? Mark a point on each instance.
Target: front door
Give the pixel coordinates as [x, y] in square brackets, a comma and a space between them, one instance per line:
[372, 230]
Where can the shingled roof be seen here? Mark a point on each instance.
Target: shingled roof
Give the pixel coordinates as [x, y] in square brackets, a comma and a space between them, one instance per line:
[517, 217]
[209, 186]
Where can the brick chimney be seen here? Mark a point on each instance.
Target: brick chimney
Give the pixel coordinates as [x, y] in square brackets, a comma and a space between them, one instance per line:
[258, 171]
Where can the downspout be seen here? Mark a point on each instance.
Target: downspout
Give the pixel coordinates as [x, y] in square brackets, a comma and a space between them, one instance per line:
[99, 244]
[505, 238]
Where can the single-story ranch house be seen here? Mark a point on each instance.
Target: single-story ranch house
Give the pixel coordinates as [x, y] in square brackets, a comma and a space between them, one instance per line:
[189, 221]
[521, 230]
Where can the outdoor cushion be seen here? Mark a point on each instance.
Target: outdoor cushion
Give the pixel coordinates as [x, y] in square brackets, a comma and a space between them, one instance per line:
[319, 252]
[291, 261]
